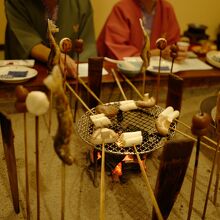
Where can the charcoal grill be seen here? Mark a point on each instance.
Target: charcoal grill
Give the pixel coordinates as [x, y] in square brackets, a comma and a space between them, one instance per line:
[135, 120]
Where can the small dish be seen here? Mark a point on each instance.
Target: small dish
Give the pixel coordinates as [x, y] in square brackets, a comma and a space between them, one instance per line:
[16, 74]
[213, 57]
[129, 68]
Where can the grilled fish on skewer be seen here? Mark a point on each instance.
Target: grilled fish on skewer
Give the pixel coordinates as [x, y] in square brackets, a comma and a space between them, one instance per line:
[65, 121]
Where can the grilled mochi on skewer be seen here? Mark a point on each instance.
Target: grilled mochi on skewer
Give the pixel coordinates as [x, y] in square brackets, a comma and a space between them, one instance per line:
[104, 135]
[147, 101]
[129, 139]
[165, 118]
[127, 105]
[100, 120]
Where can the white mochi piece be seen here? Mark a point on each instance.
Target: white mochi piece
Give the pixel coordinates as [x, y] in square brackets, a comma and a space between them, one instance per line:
[37, 103]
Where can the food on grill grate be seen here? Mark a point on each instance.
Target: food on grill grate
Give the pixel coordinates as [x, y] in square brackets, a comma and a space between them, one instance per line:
[104, 135]
[127, 105]
[108, 110]
[164, 120]
[100, 120]
[140, 119]
[128, 139]
[147, 102]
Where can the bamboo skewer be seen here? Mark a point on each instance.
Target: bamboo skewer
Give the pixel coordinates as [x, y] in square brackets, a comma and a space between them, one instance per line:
[217, 178]
[151, 193]
[64, 50]
[182, 133]
[77, 96]
[63, 191]
[184, 124]
[50, 112]
[152, 196]
[194, 179]
[161, 44]
[217, 120]
[37, 165]
[200, 123]
[145, 53]
[210, 179]
[132, 85]
[89, 90]
[26, 168]
[173, 54]
[102, 187]
[215, 158]
[77, 87]
[119, 84]
[158, 79]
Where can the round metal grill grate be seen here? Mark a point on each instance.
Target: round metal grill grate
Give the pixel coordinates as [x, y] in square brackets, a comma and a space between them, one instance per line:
[136, 120]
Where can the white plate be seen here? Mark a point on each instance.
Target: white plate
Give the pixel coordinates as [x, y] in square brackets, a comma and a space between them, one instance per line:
[165, 66]
[4, 71]
[28, 63]
[213, 57]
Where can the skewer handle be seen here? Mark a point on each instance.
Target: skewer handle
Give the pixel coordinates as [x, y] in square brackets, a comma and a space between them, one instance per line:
[200, 123]
[37, 165]
[217, 120]
[26, 168]
[90, 91]
[119, 84]
[151, 193]
[102, 187]
[76, 95]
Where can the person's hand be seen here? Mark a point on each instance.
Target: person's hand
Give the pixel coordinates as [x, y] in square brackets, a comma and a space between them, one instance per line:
[67, 62]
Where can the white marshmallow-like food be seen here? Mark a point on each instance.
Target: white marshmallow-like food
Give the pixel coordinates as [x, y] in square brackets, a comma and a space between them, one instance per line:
[104, 135]
[37, 103]
[127, 105]
[100, 120]
[164, 120]
[129, 139]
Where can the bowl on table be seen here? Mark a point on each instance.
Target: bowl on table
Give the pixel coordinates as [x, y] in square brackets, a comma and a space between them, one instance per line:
[129, 68]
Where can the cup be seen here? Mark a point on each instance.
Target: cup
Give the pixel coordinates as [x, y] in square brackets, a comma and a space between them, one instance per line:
[183, 46]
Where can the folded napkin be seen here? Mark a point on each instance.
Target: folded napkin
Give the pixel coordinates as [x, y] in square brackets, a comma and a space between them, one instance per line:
[29, 63]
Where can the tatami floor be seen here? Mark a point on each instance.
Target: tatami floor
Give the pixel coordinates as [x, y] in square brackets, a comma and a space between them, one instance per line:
[128, 201]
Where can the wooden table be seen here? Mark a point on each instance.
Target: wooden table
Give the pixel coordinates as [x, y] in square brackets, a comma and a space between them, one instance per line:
[192, 78]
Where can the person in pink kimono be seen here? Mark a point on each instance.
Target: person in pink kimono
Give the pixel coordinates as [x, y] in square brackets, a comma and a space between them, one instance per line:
[122, 35]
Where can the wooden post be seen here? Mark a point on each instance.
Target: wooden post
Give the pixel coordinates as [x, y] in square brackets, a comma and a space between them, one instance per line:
[174, 161]
[8, 144]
